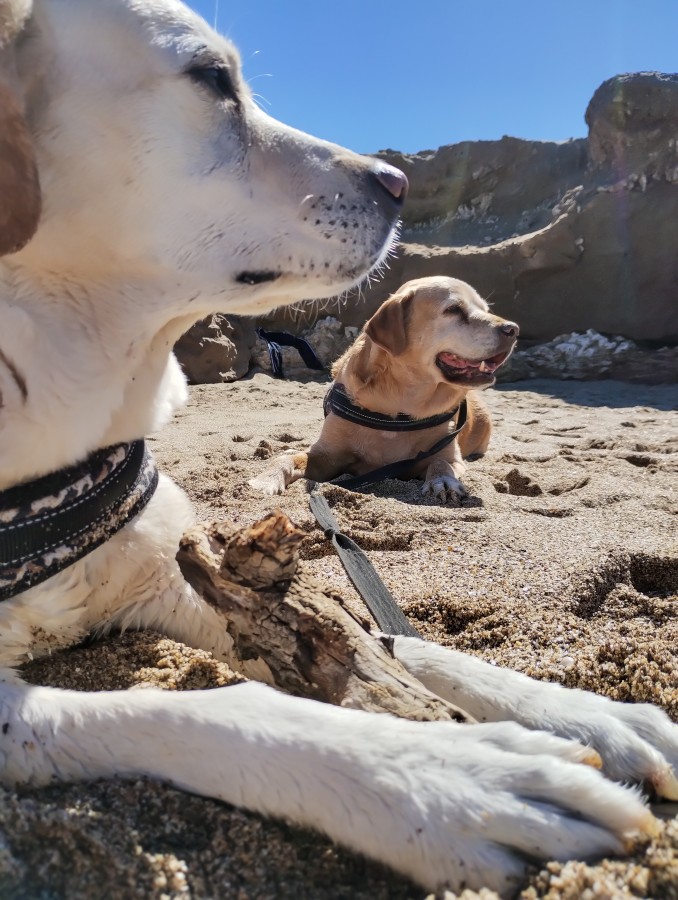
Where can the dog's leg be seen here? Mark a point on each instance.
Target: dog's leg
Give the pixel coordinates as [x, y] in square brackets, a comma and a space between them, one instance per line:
[182, 615]
[637, 742]
[283, 472]
[143, 588]
[317, 464]
[443, 476]
[179, 613]
[474, 439]
[440, 802]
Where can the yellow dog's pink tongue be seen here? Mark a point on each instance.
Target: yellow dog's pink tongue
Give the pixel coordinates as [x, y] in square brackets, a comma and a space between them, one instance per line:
[451, 360]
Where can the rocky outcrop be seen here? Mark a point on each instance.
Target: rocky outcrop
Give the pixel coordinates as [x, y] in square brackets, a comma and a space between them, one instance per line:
[562, 237]
[632, 125]
[592, 356]
[216, 349]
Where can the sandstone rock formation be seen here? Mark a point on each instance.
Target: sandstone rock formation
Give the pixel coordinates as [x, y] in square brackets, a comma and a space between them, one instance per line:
[217, 349]
[592, 356]
[562, 237]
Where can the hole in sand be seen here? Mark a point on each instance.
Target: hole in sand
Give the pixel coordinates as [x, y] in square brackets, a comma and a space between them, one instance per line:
[626, 586]
[642, 460]
[517, 483]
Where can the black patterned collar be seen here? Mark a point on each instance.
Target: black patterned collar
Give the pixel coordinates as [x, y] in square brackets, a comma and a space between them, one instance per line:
[48, 524]
[337, 401]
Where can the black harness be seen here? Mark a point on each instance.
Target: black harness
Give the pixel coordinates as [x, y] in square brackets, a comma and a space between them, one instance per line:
[48, 524]
[338, 402]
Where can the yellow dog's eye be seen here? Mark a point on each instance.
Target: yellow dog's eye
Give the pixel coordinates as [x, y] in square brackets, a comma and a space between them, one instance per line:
[217, 79]
[458, 310]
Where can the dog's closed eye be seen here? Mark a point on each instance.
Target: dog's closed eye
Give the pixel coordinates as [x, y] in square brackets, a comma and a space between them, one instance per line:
[456, 309]
[217, 78]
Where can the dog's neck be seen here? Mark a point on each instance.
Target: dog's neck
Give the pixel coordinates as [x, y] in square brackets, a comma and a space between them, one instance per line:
[380, 382]
[81, 367]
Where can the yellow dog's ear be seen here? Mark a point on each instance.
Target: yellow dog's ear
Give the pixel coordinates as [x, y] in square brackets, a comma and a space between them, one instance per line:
[388, 326]
[20, 199]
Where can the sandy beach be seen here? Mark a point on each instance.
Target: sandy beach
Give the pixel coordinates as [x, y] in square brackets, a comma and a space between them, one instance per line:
[562, 563]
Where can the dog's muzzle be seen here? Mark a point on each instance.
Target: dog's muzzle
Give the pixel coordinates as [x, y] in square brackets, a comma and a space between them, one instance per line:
[48, 524]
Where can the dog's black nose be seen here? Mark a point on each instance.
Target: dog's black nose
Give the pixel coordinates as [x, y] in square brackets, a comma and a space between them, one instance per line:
[393, 181]
[510, 329]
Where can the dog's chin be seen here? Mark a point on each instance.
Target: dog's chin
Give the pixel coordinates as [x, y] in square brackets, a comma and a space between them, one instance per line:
[319, 279]
[470, 373]
[262, 290]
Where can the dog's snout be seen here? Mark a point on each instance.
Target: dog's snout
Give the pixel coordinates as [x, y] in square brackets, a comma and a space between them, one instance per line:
[510, 329]
[393, 181]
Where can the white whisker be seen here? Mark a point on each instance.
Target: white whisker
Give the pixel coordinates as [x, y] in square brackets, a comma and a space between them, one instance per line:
[259, 99]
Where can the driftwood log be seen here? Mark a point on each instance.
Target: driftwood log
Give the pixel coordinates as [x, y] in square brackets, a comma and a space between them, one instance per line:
[276, 611]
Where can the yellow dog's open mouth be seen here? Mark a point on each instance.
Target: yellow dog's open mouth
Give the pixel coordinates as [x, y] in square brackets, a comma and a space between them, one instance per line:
[469, 371]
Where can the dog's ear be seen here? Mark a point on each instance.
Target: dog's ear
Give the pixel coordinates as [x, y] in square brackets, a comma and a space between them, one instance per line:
[20, 199]
[388, 326]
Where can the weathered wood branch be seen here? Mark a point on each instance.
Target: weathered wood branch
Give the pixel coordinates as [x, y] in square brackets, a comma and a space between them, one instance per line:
[275, 610]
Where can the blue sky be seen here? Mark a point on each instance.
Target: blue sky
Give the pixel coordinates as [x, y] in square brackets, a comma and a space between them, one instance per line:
[372, 74]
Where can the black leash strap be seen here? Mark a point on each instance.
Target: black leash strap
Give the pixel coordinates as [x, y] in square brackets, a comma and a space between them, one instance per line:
[277, 339]
[387, 614]
[396, 469]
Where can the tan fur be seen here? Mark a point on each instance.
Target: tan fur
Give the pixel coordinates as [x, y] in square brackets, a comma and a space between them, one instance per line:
[391, 369]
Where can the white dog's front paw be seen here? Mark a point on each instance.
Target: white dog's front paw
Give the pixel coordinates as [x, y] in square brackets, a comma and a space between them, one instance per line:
[637, 742]
[444, 487]
[473, 805]
[444, 804]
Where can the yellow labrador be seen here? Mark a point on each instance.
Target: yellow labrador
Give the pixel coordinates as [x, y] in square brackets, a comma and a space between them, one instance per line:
[428, 348]
[165, 194]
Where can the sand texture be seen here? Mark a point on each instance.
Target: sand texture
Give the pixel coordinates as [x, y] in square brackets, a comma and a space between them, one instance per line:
[562, 563]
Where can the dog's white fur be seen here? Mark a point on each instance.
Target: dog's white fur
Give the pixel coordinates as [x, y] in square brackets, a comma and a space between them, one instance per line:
[156, 196]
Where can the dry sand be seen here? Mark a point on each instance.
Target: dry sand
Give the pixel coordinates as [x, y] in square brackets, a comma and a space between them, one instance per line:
[562, 564]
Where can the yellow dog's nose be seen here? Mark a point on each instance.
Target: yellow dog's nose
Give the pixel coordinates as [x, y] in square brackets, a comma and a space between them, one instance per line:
[510, 329]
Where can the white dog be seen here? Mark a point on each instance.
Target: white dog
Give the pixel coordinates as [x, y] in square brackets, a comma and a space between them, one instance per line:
[166, 194]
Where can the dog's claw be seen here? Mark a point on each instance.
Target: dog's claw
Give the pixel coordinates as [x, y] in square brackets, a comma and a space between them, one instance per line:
[665, 784]
[648, 827]
[593, 759]
[444, 488]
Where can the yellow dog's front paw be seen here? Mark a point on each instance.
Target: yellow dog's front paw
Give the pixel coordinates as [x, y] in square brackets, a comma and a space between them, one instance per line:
[444, 488]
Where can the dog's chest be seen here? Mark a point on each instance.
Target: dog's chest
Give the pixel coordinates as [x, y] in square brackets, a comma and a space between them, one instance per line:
[372, 448]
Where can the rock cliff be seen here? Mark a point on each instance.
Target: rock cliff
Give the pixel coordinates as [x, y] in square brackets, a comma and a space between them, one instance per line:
[562, 237]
